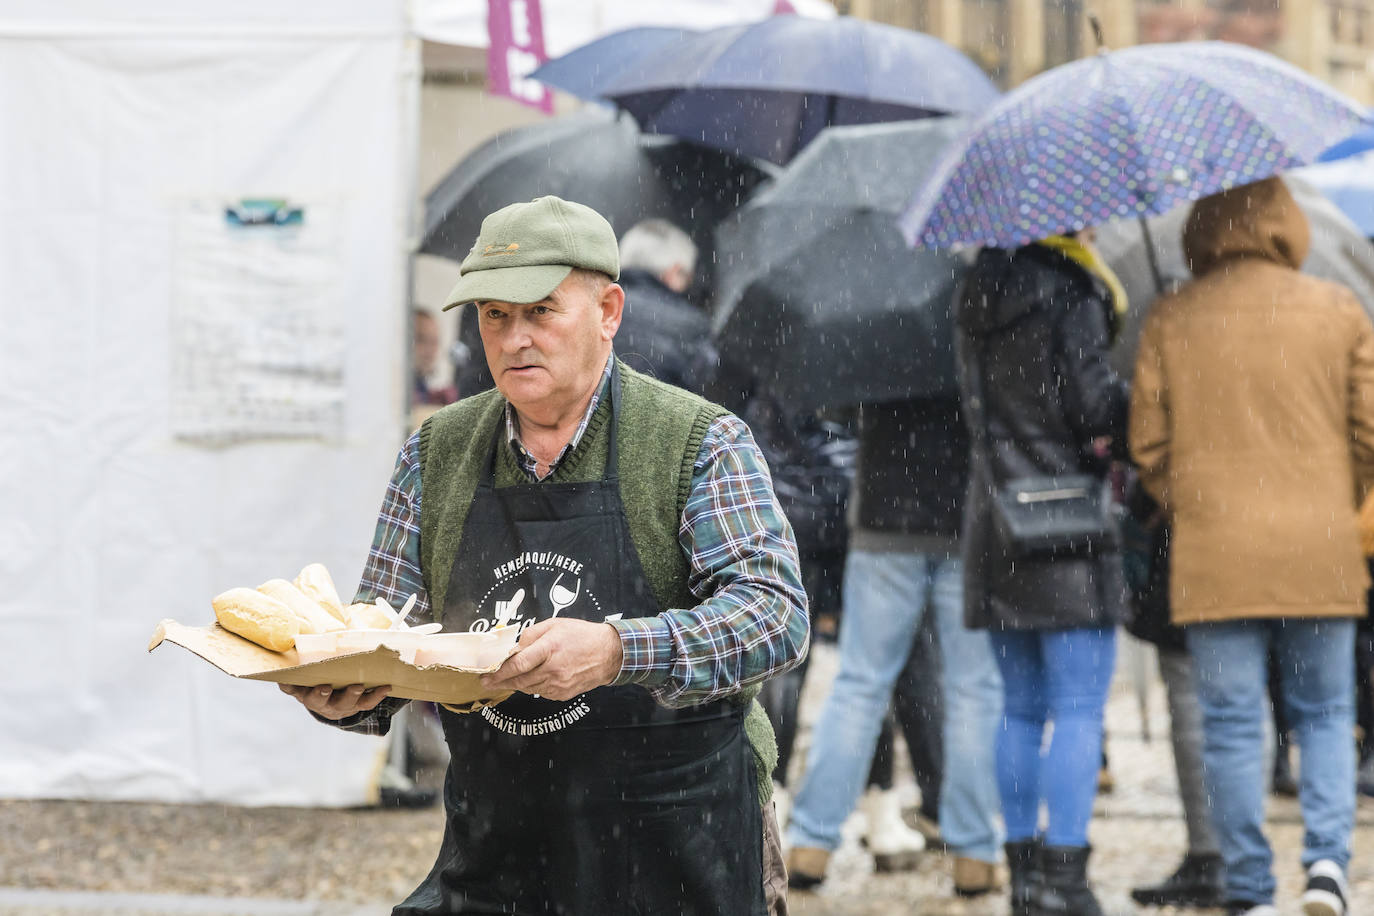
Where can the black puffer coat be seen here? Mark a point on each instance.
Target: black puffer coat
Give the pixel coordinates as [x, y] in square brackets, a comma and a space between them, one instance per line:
[1033, 336]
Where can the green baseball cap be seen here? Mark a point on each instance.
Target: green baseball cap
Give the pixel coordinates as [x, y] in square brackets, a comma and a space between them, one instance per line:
[525, 250]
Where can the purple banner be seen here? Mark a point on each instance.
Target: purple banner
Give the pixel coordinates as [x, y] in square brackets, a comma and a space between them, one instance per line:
[515, 29]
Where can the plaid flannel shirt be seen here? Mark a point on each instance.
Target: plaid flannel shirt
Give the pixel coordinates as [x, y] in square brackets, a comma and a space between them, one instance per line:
[751, 623]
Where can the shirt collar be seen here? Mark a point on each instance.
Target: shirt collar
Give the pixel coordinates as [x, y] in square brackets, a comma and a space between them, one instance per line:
[526, 460]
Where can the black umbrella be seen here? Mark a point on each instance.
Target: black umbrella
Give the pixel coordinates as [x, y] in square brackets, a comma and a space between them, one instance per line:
[818, 294]
[596, 160]
[1338, 252]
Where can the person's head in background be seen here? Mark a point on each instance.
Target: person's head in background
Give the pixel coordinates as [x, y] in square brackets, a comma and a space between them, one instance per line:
[659, 248]
[426, 341]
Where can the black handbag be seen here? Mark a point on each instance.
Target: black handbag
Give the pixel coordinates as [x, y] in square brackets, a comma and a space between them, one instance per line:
[1067, 515]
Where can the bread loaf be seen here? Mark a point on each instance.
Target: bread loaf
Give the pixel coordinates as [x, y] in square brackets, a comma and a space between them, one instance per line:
[315, 582]
[366, 617]
[313, 617]
[257, 617]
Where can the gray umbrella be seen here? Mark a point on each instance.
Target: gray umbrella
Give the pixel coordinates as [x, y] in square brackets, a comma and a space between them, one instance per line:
[818, 298]
[1338, 252]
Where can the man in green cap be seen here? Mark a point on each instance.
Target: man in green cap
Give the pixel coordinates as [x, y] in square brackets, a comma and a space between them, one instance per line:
[630, 529]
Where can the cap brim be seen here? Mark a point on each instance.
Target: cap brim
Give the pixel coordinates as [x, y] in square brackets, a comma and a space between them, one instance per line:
[519, 285]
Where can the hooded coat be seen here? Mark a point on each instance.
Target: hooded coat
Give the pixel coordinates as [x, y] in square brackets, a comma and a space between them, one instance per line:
[1033, 339]
[1252, 419]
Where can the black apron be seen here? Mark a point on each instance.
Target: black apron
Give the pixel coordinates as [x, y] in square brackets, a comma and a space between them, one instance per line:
[605, 804]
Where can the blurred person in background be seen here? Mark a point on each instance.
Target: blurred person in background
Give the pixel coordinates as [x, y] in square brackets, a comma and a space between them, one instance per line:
[427, 387]
[918, 710]
[663, 334]
[637, 685]
[904, 559]
[812, 463]
[1252, 425]
[1041, 402]
[1199, 880]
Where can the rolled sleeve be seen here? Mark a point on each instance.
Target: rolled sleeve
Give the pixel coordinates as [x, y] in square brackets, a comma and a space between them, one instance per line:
[752, 621]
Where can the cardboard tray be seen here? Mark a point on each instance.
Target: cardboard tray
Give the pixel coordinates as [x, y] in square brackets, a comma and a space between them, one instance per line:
[243, 658]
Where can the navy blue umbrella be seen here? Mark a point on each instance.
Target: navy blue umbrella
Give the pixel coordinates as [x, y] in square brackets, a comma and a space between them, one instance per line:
[766, 89]
[586, 70]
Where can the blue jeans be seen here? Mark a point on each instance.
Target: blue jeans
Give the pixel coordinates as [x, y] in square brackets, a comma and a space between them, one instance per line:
[1319, 694]
[1059, 676]
[885, 595]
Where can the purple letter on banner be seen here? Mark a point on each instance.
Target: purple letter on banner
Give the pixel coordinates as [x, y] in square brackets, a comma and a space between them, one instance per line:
[515, 29]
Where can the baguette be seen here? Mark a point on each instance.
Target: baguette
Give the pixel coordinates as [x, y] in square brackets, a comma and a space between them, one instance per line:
[367, 617]
[314, 580]
[313, 617]
[257, 617]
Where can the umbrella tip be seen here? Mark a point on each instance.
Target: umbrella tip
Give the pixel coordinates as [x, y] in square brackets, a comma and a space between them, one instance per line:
[1096, 24]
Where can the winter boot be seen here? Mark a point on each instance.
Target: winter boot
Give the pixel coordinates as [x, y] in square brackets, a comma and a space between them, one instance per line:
[894, 845]
[1064, 887]
[1023, 861]
[1199, 881]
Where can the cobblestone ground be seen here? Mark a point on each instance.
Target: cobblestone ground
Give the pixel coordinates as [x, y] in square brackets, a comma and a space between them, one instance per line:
[355, 862]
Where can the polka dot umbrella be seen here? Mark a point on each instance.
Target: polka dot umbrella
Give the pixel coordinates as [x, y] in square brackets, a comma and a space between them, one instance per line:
[1125, 134]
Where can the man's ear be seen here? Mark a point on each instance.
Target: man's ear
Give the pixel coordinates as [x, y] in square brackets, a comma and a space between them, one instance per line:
[612, 308]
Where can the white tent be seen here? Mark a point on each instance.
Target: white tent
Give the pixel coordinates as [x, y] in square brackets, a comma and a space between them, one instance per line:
[203, 263]
[571, 23]
[208, 212]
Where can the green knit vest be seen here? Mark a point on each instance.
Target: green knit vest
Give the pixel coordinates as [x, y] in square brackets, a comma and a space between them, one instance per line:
[661, 431]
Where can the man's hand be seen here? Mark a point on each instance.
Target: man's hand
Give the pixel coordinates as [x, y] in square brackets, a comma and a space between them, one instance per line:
[338, 704]
[560, 659]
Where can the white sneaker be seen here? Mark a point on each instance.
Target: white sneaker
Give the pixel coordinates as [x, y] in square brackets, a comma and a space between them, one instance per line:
[1326, 890]
[893, 844]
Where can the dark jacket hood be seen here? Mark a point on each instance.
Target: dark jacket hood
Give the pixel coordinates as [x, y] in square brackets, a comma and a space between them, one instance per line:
[1260, 220]
[1004, 285]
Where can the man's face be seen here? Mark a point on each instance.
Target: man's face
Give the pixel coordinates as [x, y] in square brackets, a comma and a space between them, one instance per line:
[547, 356]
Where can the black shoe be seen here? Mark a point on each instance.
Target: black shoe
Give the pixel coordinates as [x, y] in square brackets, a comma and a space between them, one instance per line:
[1199, 881]
[1326, 893]
[1023, 862]
[1064, 889]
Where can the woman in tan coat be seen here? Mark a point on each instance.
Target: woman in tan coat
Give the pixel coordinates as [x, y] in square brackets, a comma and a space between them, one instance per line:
[1252, 422]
